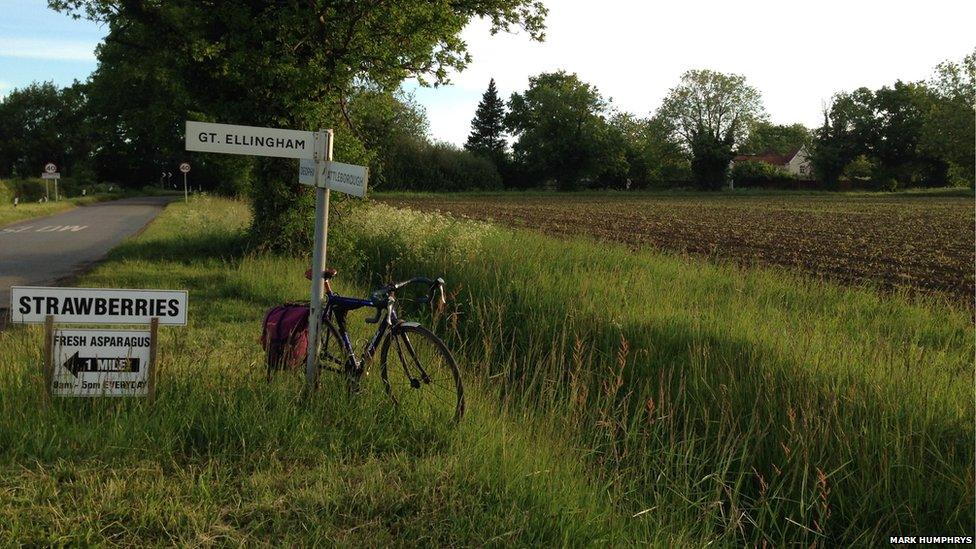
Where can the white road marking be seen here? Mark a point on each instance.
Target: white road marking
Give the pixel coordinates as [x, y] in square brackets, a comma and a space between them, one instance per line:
[48, 229]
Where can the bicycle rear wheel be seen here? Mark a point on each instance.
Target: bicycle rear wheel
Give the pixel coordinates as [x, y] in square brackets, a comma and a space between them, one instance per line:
[420, 374]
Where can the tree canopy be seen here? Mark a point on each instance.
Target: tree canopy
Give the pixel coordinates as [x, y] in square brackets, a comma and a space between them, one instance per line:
[780, 139]
[561, 128]
[291, 64]
[906, 134]
[712, 113]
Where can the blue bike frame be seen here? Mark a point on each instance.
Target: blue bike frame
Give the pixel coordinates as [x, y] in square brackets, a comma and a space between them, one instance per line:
[337, 306]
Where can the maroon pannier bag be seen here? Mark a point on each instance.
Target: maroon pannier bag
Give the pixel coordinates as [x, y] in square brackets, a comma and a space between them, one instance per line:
[285, 336]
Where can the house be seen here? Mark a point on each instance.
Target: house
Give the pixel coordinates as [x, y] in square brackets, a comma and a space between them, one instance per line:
[796, 161]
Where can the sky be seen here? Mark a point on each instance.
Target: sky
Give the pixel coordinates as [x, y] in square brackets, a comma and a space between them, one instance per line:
[797, 54]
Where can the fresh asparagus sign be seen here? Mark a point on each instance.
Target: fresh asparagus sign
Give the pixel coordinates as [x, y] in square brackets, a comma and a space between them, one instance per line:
[101, 363]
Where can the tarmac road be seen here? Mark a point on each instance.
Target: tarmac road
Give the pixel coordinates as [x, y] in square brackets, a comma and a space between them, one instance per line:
[45, 250]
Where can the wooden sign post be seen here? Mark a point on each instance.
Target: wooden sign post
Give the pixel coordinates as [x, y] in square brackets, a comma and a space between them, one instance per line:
[316, 168]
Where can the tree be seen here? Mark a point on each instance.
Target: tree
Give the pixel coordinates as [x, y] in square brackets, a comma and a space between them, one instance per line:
[948, 131]
[666, 158]
[900, 114]
[487, 136]
[383, 121]
[712, 113]
[847, 130]
[561, 130]
[43, 123]
[644, 152]
[780, 139]
[294, 65]
[892, 129]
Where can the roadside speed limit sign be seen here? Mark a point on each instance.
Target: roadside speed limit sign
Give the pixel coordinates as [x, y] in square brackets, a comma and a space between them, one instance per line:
[50, 167]
[185, 167]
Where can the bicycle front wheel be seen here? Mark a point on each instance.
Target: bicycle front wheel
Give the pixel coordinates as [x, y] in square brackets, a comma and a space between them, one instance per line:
[420, 374]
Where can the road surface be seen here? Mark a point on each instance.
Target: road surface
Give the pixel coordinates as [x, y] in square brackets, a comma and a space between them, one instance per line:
[44, 250]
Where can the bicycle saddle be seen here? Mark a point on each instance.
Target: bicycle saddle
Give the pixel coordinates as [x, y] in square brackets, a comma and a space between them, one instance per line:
[327, 274]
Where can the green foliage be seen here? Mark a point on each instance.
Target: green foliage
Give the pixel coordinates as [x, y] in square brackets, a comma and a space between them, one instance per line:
[42, 123]
[915, 134]
[418, 165]
[289, 64]
[754, 172]
[711, 113]
[560, 123]
[665, 157]
[487, 136]
[765, 137]
[710, 158]
[948, 132]
[381, 120]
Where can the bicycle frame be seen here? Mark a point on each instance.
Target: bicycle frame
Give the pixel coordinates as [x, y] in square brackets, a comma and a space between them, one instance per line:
[337, 306]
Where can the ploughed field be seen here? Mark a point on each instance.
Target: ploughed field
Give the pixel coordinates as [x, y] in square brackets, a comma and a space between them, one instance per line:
[919, 242]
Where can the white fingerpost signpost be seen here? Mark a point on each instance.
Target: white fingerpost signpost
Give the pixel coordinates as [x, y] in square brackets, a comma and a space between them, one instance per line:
[51, 172]
[98, 362]
[314, 150]
[185, 169]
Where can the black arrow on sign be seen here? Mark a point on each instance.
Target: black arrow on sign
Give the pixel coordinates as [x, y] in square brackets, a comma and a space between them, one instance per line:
[76, 363]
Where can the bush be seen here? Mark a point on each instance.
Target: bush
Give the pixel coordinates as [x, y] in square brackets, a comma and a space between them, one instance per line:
[27, 190]
[419, 166]
[752, 173]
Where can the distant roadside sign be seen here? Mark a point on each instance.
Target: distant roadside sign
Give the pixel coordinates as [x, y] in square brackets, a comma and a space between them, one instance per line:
[50, 167]
[31, 304]
[249, 140]
[101, 363]
[346, 178]
[50, 175]
[185, 167]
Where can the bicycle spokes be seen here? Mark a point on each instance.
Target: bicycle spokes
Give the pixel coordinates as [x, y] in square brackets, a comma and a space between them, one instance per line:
[425, 379]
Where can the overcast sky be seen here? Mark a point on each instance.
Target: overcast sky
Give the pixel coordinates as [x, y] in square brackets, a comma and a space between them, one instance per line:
[796, 54]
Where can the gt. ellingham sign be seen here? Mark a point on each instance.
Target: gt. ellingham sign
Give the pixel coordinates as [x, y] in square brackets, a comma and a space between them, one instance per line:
[248, 140]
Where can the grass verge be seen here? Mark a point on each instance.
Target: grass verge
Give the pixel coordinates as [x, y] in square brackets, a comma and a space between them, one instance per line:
[224, 458]
[615, 398]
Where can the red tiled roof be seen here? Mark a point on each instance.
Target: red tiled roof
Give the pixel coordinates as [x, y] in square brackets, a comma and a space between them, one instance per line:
[769, 157]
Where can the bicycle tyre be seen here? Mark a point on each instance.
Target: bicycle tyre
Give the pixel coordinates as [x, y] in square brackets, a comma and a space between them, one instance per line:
[446, 396]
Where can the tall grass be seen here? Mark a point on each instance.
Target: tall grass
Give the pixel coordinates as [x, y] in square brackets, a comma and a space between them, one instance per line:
[755, 406]
[615, 398]
[223, 457]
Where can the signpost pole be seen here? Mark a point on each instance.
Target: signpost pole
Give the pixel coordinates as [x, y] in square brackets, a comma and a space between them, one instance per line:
[48, 355]
[323, 147]
[47, 190]
[153, 329]
[56, 198]
[186, 197]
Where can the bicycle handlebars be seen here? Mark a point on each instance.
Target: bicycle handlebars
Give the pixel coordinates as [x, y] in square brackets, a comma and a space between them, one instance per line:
[382, 297]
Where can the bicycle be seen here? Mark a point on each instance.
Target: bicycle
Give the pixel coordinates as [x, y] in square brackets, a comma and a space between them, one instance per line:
[422, 375]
